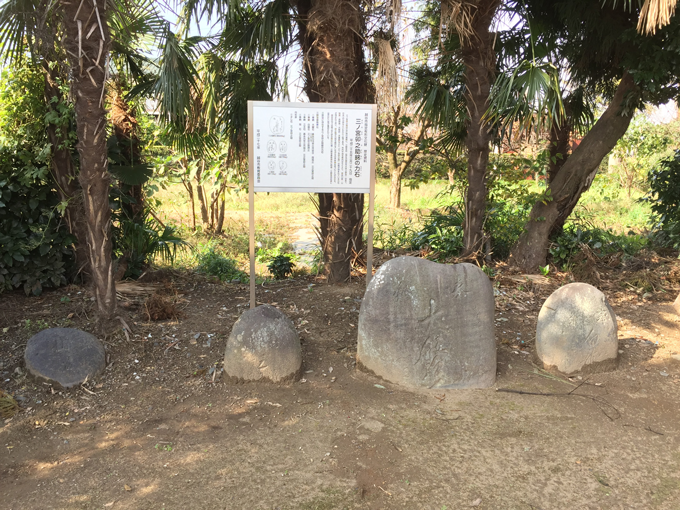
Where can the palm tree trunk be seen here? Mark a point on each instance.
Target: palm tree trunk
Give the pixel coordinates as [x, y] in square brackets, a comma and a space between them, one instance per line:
[560, 136]
[573, 180]
[480, 62]
[88, 58]
[330, 35]
[341, 227]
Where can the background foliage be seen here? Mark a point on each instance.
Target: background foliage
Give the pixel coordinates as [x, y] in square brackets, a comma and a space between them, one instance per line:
[34, 242]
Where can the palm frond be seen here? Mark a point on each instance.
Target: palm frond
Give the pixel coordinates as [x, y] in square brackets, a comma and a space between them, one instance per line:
[243, 83]
[176, 84]
[530, 95]
[18, 22]
[258, 34]
[197, 10]
[439, 95]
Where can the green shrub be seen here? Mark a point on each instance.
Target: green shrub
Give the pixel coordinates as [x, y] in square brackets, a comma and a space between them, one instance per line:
[138, 244]
[393, 236]
[281, 266]
[507, 212]
[34, 243]
[442, 232]
[601, 242]
[213, 263]
[664, 198]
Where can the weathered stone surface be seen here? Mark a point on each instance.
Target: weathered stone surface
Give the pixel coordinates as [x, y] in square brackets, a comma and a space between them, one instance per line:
[676, 305]
[64, 356]
[263, 344]
[429, 325]
[576, 330]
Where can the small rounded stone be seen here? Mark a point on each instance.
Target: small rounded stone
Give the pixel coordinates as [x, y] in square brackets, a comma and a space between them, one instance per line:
[263, 345]
[577, 331]
[65, 357]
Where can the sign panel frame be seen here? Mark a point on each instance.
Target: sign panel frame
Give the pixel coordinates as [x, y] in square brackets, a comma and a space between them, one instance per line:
[368, 187]
[319, 137]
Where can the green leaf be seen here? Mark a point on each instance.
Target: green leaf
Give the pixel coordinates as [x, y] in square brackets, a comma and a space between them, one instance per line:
[131, 175]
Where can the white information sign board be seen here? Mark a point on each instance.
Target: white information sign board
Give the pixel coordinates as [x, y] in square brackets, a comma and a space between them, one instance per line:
[311, 147]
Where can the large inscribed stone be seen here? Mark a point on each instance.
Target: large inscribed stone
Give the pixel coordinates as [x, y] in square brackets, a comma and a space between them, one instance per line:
[429, 325]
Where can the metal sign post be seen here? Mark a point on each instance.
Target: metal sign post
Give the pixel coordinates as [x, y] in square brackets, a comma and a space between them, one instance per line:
[311, 147]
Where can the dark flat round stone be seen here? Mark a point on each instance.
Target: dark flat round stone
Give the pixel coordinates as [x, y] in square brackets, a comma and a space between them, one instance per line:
[64, 356]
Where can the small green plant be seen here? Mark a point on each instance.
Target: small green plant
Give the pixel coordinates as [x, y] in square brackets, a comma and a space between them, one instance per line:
[163, 447]
[489, 271]
[317, 262]
[391, 237]
[65, 299]
[213, 263]
[34, 327]
[281, 266]
[264, 253]
[544, 270]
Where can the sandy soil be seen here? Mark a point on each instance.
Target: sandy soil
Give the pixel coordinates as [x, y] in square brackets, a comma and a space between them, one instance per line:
[160, 429]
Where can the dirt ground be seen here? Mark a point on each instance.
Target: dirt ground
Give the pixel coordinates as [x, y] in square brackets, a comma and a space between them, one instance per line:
[160, 429]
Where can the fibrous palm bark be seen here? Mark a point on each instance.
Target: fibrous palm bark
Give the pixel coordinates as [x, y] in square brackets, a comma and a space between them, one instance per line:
[477, 50]
[330, 35]
[87, 45]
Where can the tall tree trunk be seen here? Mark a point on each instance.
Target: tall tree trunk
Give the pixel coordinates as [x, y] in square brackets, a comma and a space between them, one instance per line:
[220, 219]
[480, 63]
[65, 172]
[573, 179]
[560, 135]
[341, 227]
[62, 167]
[395, 184]
[395, 167]
[201, 196]
[190, 192]
[331, 38]
[89, 58]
